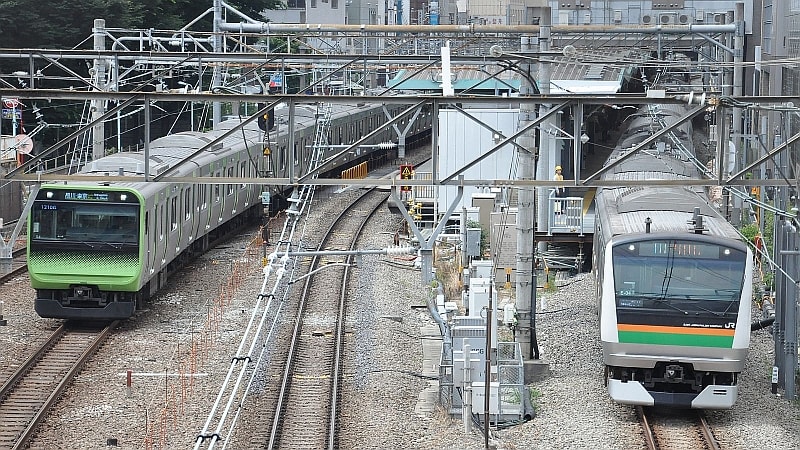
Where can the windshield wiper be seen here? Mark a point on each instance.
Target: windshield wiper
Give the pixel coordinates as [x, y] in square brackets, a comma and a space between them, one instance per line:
[661, 299]
[718, 314]
[696, 304]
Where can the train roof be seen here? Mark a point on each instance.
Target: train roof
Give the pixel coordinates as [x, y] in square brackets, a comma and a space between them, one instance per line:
[167, 151]
[624, 209]
[670, 209]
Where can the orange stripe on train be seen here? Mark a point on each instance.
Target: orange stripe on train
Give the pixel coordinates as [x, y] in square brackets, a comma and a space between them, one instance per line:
[678, 330]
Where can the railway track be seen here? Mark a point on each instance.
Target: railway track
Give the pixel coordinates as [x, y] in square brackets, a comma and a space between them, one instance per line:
[15, 266]
[305, 412]
[676, 429]
[27, 396]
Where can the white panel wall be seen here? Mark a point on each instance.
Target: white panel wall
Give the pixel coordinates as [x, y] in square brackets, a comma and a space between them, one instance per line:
[461, 141]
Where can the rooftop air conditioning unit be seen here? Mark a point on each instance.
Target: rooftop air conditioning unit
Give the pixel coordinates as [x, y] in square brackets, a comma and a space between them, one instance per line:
[666, 19]
[683, 19]
[647, 19]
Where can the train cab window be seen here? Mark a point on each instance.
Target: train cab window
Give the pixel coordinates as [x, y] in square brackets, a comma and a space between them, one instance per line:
[173, 213]
[679, 271]
[82, 223]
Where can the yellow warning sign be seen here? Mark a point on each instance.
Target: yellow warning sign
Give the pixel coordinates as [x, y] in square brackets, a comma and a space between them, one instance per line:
[406, 173]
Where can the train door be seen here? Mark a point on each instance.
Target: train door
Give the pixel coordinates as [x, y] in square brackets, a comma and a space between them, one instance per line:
[174, 235]
[230, 188]
[149, 243]
[244, 192]
[217, 202]
[188, 217]
[162, 238]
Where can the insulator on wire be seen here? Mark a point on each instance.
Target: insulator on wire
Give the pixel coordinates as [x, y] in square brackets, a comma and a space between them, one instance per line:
[399, 250]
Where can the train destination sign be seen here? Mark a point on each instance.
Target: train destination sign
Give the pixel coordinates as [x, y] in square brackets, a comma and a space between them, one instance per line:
[87, 196]
[679, 249]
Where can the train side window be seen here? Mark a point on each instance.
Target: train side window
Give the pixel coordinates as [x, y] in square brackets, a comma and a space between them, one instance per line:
[173, 213]
[146, 221]
[294, 154]
[230, 185]
[243, 173]
[162, 218]
[203, 196]
[187, 203]
[216, 189]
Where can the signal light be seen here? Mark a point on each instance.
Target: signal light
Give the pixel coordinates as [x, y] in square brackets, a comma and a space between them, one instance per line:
[266, 121]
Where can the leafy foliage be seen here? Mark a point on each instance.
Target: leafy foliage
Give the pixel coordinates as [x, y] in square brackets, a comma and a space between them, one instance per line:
[60, 24]
[484, 235]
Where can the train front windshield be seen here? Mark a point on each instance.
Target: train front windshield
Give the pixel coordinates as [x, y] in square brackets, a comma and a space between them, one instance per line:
[67, 222]
[683, 275]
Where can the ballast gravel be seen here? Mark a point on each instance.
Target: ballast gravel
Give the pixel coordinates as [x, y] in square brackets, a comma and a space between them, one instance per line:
[179, 349]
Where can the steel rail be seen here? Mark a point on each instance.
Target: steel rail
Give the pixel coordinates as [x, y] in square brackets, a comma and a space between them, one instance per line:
[18, 379]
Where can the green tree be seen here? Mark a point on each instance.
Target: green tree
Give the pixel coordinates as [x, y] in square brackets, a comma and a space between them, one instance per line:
[62, 24]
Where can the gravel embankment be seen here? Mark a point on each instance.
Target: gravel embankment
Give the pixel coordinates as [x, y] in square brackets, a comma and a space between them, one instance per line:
[384, 382]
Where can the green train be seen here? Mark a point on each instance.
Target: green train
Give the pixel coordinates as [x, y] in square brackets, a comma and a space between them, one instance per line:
[98, 250]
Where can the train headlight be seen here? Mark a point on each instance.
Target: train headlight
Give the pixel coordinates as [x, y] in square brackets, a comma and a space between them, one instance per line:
[726, 252]
[49, 194]
[631, 247]
[123, 197]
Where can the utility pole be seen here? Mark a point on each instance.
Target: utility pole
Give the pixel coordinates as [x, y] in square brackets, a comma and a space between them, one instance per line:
[98, 75]
[526, 222]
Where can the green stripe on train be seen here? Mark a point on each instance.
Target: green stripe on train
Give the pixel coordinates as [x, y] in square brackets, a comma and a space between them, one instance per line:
[688, 340]
[107, 270]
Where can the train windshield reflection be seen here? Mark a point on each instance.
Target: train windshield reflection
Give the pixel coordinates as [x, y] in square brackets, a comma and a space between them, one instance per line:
[675, 275]
[68, 221]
